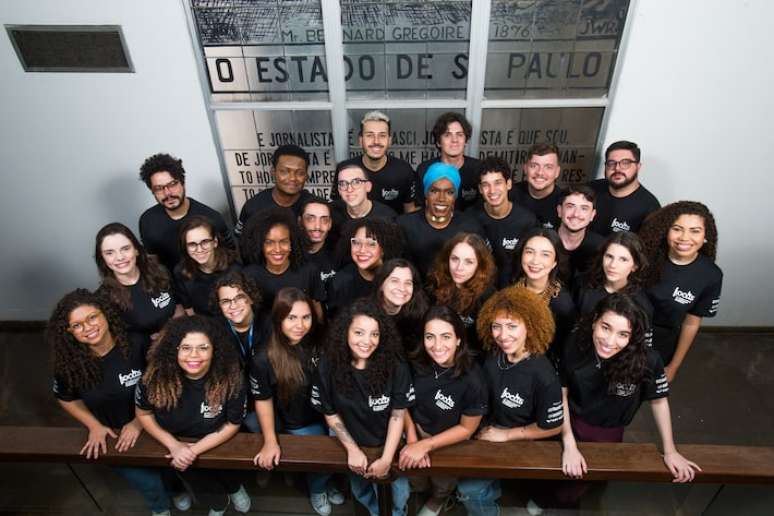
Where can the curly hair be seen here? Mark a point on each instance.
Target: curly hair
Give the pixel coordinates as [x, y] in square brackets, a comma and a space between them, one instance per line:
[409, 317]
[628, 366]
[259, 225]
[284, 356]
[441, 286]
[495, 165]
[654, 235]
[380, 364]
[463, 356]
[224, 257]
[162, 162]
[443, 122]
[519, 303]
[163, 377]
[596, 276]
[73, 361]
[153, 276]
[561, 269]
[236, 279]
[386, 232]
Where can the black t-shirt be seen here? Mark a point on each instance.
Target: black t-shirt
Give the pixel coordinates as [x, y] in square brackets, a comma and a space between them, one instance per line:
[378, 210]
[565, 315]
[325, 260]
[468, 194]
[148, 312]
[523, 393]
[263, 386]
[503, 235]
[684, 289]
[469, 320]
[160, 233]
[112, 400]
[621, 213]
[544, 209]
[423, 241]
[582, 257]
[263, 201]
[442, 399]
[366, 416]
[586, 300]
[193, 416]
[346, 286]
[194, 292]
[587, 387]
[306, 278]
[392, 184]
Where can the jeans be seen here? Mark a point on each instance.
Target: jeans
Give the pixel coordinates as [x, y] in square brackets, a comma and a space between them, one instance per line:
[251, 423]
[364, 491]
[317, 482]
[480, 496]
[148, 482]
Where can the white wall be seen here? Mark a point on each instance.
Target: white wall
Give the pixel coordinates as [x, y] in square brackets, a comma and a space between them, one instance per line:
[693, 86]
[71, 145]
[695, 91]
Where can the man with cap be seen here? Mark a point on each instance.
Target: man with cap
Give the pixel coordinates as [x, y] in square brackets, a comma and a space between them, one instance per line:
[425, 231]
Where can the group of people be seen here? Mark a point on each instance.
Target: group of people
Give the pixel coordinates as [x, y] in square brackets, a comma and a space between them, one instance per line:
[415, 310]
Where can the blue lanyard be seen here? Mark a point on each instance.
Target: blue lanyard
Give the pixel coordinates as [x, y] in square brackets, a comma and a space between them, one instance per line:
[245, 352]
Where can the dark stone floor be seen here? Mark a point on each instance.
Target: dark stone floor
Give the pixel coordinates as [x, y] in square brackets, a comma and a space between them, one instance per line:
[722, 396]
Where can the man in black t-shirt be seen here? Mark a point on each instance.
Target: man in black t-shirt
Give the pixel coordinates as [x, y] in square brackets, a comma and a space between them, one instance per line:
[392, 178]
[503, 221]
[289, 166]
[576, 211]
[159, 225]
[451, 133]
[354, 187]
[538, 191]
[622, 202]
[316, 220]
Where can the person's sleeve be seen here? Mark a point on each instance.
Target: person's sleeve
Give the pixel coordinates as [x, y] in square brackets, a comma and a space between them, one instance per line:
[402, 395]
[62, 391]
[321, 390]
[316, 285]
[550, 412]
[476, 398]
[143, 227]
[224, 232]
[179, 289]
[261, 387]
[410, 189]
[141, 397]
[236, 407]
[709, 299]
[419, 193]
[655, 385]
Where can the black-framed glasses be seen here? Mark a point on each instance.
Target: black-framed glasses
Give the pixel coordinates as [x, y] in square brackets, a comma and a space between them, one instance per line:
[169, 186]
[624, 164]
[355, 183]
[238, 299]
[205, 245]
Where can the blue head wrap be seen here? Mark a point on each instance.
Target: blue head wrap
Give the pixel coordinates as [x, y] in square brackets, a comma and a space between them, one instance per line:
[439, 170]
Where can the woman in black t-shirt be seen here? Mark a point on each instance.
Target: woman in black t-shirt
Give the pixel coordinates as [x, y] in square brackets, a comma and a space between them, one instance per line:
[135, 282]
[363, 388]
[280, 384]
[202, 261]
[450, 401]
[607, 372]
[95, 371]
[684, 282]
[462, 278]
[193, 388]
[537, 262]
[400, 295]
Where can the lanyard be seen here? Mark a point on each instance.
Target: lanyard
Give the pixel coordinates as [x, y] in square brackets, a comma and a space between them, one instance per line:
[245, 352]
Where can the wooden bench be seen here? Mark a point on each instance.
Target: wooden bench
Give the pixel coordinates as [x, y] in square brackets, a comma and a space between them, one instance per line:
[534, 460]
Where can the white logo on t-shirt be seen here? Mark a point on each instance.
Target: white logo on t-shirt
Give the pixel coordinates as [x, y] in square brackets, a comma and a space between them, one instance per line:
[325, 275]
[378, 404]
[619, 225]
[389, 195]
[625, 389]
[129, 379]
[683, 298]
[510, 243]
[511, 400]
[162, 301]
[469, 193]
[443, 402]
[316, 396]
[210, 412]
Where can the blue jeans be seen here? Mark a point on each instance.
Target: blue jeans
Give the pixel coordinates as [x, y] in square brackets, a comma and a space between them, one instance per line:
[364, 491]
[251, 422]
[480, 496]
[317, 482]
[148, 482]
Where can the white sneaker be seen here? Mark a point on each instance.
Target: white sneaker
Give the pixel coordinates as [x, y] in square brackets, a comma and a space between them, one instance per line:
[335, 496]
[241, 500]
[162, 513]
[182, 501]
[213, 512]
[533, 508]
[320, 504]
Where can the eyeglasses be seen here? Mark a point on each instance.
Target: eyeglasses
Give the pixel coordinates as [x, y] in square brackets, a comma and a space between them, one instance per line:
[188, 349]
[205, 245]
[623, 164]
[169, 186]
[355, 183]
[80, 326]
[238, 299]
[368, 243]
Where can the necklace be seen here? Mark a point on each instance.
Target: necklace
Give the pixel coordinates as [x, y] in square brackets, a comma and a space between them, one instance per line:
[504, 364]
[438, 375]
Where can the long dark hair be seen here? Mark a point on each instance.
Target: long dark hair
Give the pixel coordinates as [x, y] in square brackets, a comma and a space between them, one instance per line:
[163, 378]
[441, 285]
[628, 366]
[73, 361]
[224, 256]
[410, 315]
[463, 357]
[153, 276]
[380, 364]
[283, 356]
[633, 244]
[560, 271]
[259, 225]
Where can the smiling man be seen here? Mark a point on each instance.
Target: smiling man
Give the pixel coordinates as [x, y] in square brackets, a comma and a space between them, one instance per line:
[354, 187]
[576, 211]
[425, 231]
[164, 176]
